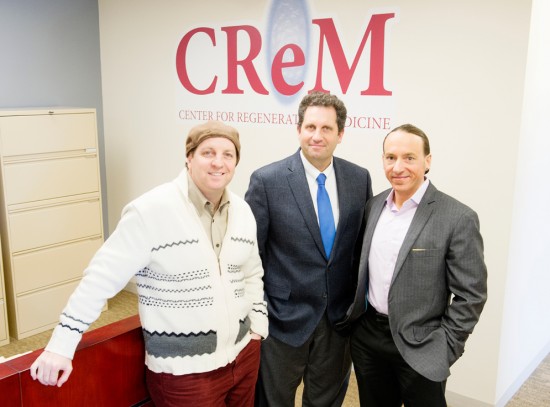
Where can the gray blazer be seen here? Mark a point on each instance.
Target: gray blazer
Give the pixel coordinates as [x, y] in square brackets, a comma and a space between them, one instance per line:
[300, 282]
[439, 285]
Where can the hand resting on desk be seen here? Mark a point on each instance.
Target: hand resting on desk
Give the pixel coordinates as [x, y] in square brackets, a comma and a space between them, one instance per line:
[48, 365]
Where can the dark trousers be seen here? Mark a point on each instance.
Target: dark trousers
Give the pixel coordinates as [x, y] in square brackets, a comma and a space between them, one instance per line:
[231, 385]
[383, 377]
[323, 362]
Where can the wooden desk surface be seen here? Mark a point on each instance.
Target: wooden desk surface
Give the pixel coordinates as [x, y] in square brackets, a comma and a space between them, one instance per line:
[108, 370]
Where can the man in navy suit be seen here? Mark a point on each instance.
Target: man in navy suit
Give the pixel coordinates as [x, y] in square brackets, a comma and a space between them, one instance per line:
[422, 282]
[309, 284]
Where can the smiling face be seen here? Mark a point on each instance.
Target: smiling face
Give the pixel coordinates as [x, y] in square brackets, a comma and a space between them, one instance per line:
[319, 135]
[405, 163]
[212, 166]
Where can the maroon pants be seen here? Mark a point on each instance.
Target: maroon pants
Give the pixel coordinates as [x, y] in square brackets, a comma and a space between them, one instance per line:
[232, 385]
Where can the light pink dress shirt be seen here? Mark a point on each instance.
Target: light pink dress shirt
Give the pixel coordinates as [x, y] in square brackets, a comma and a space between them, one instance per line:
[386, 242]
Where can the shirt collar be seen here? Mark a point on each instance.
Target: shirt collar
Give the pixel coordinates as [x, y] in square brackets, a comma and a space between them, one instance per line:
[415, 199]
[314, 172]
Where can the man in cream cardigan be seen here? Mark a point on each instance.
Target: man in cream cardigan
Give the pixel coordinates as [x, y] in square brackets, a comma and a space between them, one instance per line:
[192, 246]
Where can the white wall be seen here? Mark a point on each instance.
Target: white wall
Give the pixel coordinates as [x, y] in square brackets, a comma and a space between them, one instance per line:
[461, 76]
[457, 70]
[526, 329]
[50, 57]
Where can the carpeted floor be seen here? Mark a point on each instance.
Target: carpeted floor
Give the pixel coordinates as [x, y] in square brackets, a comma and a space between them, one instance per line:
[535, 392]
[352, 397]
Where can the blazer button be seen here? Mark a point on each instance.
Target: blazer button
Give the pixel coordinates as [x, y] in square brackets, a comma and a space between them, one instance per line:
[325, 295]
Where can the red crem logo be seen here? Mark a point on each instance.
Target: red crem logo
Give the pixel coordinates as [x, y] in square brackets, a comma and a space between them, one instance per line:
[328, 39]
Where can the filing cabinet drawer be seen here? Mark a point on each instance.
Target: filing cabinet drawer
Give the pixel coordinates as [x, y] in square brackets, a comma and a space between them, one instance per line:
[45, 179]
[68, 261]
[33, 315]
[37, 134]
[39, 227]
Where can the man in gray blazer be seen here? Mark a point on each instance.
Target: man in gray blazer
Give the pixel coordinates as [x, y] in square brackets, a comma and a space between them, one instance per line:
[309, 281]
[422, 282]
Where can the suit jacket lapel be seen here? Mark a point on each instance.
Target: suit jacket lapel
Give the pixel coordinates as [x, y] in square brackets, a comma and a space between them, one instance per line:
[372, 219]
[421, 216]
[300, 189]
[373, 214]
[345, 189]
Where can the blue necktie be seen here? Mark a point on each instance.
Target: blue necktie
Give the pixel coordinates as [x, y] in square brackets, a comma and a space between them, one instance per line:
[326, 219]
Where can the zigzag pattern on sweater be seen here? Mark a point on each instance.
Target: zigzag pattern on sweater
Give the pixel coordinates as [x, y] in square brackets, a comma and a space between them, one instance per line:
[80, 331]
[244, 328]
[166, 303]
[260, 308]
[179, 335]
[176, 278]
[259, 311]
[167, 245]
[239, 292]
[242, 240]
[232, 268]
[172, 345]
[76, 319]
[168, 290]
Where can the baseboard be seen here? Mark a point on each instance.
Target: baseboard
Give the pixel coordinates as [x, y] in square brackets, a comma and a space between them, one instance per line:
[458, 400]
[528, 371]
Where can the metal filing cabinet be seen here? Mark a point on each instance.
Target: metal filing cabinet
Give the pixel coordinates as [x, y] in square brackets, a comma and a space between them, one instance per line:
[50, 210]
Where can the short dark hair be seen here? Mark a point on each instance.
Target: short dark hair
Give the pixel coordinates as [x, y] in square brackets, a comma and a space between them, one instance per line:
[409, 128]
[326, 100]
[412, 129]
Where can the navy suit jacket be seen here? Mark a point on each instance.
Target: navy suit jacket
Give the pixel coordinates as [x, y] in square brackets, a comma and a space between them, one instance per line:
[300, 282]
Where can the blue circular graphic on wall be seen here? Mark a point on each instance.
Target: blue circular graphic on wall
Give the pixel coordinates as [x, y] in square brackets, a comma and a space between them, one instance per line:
[289, 23]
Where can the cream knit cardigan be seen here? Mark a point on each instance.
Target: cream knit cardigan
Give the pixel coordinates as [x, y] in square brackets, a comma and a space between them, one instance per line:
[196, 310]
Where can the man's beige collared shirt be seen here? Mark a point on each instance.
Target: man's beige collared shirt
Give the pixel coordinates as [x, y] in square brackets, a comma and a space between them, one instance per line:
[214, 222]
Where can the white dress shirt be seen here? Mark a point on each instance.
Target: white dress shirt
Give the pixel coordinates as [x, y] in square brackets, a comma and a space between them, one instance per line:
[330, 185]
